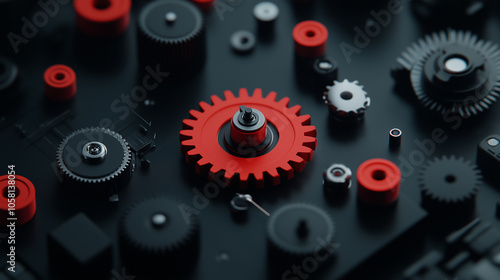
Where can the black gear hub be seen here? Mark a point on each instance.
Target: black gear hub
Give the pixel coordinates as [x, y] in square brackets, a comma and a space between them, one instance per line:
[452, 72]
[172, 33]
[296, 231]
[155, 236]
[95, 162]
[449, 186]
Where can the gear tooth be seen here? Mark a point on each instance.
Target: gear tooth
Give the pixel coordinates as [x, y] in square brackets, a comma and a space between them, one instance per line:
[304, 119]
[286, 171]
[298, 164]
[187, 145]
[215, 99]
[188, 124]
[215, 169]
[259, 175]
[243, 93]
[271, 96]
[284, 101]
[257, 93]
[305, 153]
[273, 177]
[328, 88]
[295, 110]
[244, 177]
[195, 114]
[229, 95]
[309, 130]
[204, 106]
[192, 156]
[310, 142]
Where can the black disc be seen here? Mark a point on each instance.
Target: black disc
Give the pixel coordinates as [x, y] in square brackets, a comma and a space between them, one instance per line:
[449, 186]
[298, 230]
[157, 238]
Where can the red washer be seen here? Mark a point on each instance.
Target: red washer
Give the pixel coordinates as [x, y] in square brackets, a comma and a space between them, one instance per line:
[204, 4]
[310, 39]
[102, 18]
[25, 201]
[60, 82]
[378, 181]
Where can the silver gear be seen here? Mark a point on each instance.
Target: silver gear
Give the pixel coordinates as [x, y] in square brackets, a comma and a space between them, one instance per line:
[84, 181]
[347, 100]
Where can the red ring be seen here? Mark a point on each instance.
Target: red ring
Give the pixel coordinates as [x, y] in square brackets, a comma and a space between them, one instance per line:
[378, 181]
[204, 4]
[25, 201]
[310, 38]
[111, 19]
[60, 82]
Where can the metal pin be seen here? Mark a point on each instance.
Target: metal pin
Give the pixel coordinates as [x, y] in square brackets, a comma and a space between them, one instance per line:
[248, 198]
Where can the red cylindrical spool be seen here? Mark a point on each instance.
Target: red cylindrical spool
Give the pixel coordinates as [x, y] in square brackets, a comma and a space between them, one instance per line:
[310, 39]
[378, 181]
[102, 18]
[24, 202]
[60, 82]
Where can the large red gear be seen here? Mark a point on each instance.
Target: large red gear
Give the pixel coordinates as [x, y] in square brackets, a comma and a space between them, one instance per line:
[297, 140]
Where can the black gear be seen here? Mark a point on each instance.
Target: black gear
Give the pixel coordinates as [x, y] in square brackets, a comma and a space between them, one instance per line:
[155, 235]
[449, 186]
[452, 72]
[296, 231]
[99, 175]
[172, 33]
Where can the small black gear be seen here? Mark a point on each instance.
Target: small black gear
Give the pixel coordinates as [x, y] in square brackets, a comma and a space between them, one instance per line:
[453, 72]
[172, 33]
[449, 186]
[347, 101]
[296, 231]
[95, 162]
[155, 235]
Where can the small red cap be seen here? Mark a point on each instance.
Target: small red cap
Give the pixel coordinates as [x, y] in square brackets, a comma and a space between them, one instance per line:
[378, 181]
[60, 82]
[310, 39]
[102, 18]
[24, 203]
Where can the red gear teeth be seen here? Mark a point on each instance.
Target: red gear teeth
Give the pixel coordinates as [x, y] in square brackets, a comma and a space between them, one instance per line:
[60, 82]
[310, 39]
[297, 140]
[378, 181]
[102, 18]
[25, 201]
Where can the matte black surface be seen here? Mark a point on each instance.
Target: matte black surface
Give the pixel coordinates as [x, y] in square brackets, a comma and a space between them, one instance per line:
[31, 128]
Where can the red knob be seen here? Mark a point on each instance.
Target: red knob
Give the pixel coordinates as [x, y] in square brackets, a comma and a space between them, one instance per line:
[102, 18]
[378, 181]
[24, 201]
[310, 39]
[60, 82]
